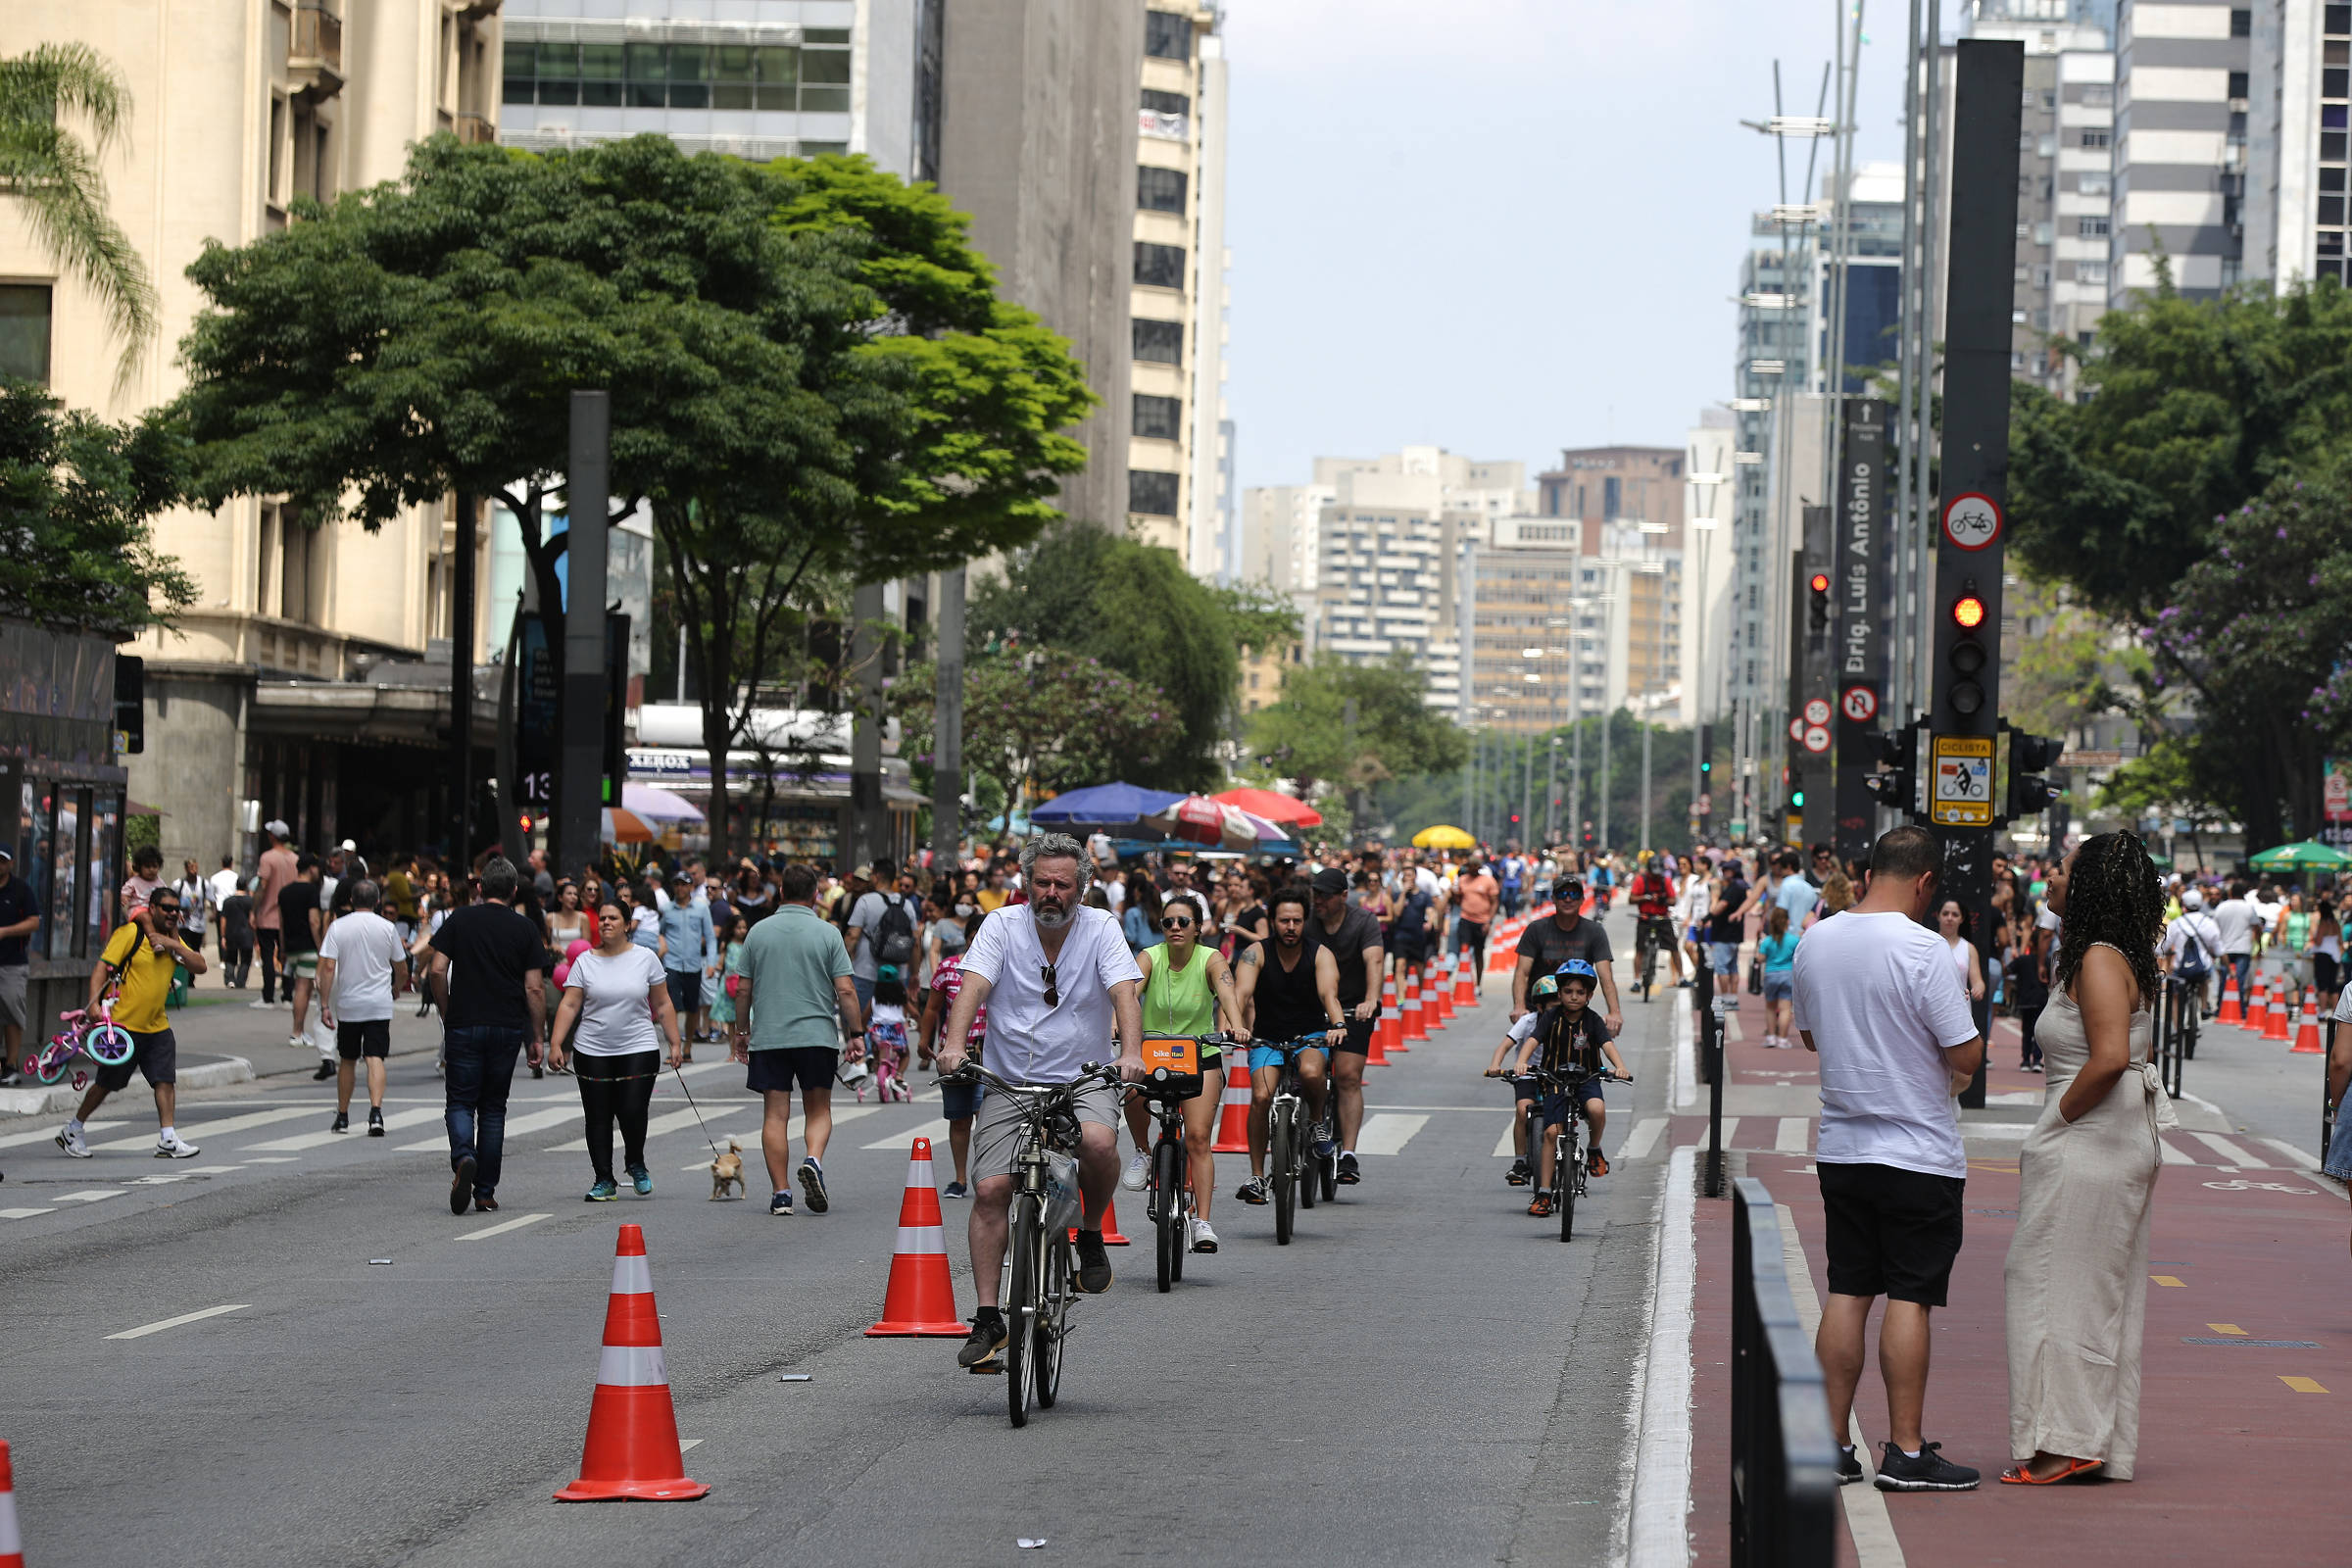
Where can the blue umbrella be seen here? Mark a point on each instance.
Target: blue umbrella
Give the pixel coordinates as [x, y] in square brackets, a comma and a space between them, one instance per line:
[1110, 804]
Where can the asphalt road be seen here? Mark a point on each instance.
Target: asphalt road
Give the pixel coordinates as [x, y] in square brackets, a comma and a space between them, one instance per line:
[1427, 1375]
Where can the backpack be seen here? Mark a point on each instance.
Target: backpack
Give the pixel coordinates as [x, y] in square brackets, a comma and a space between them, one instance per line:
[2195, 963]
[894, 934]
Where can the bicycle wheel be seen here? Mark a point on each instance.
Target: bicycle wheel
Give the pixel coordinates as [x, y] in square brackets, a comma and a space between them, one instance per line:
[1282, 1160]
[1167, 1193]
[1326, 1167]
[1309, 1163]
[1567, 1171]
[1053, 1320]
[109, 1045]
[1021, 1305]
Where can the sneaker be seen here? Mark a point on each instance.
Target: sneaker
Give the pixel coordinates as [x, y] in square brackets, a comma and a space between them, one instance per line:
[259, 1006]
[603, 1192]
[1205, 1239]
[77, 1146]
[460, 1186]
[1253, 1191]
[1598, 1164]
[988, 1332]
[342, 1122]
[1542, 1206]
[643, 1180]
[326, 1070]
[1348, 1174]
[1093, 1263]
[1137, 1173]
[1519, 1175]
[812, 1186]
[780, 1205]
[174, 1147]
[957, 1189]
[10, 1078]
[1326, 1146]
[1930, 1472]
[376, 1122]
[1850, 1465]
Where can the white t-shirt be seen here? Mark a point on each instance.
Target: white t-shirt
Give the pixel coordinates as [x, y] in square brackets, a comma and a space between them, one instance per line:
[224, 886]
[2196, 924]
[1115, 893]
[1881, 1000]
[2237, 920]
[616, 1013]
[1029, 1042]
[364, 945]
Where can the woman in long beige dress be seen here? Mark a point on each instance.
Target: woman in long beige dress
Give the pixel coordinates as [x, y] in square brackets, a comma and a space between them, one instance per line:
[2077, 1268]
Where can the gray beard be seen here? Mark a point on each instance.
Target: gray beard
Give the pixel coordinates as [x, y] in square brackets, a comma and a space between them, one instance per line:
[1051, 919]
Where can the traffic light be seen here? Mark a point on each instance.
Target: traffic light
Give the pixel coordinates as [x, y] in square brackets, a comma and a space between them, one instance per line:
[1897, 784]
[1967, 655]
[1796, 799]
[2030, 794]
[1707, 755]
[1817, 589]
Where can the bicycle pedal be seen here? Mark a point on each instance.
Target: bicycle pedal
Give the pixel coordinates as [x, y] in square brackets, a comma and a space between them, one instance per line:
[992, 1367]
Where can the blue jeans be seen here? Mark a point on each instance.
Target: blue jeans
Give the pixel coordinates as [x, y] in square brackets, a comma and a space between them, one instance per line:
[481, 1068]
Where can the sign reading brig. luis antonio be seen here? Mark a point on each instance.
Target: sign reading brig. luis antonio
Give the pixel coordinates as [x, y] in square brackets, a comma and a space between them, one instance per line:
[1861, 592]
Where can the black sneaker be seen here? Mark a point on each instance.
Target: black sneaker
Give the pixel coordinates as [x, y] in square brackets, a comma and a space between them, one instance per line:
[1930, 1472]
[987, 1338]
[780, 1205]
[342, 1122]
[1850, 1465]
[1093, 1263]
[460, 1187]
[1348, 1174]
[1519, 1175]
[812, 1186]
[376, 1122]
[326, 1070]
[1253, 1191]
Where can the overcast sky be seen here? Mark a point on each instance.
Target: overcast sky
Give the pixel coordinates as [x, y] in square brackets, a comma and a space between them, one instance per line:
[1504, 226]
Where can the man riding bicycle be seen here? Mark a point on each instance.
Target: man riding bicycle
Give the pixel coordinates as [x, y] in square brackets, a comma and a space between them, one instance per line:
[1056, 979]
[1652, 894]
[1290, 990]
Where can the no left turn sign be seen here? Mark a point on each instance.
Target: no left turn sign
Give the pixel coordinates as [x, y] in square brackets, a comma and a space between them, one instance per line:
[1859, 704]
[1972, 520]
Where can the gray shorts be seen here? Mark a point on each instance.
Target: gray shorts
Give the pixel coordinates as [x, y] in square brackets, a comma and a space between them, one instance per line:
[12, 977]
[996, 1130]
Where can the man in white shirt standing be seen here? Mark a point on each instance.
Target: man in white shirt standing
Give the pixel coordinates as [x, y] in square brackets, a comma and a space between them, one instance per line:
[1879, 999]
[361, 964]
[2239, 919]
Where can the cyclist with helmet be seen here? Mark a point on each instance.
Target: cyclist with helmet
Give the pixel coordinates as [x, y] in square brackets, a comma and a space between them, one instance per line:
[1540, 996]
[1574, 1043]
[1547, 943]
[1652, 894]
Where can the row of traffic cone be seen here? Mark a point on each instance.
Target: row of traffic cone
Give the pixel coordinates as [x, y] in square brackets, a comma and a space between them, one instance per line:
[2267, 1012]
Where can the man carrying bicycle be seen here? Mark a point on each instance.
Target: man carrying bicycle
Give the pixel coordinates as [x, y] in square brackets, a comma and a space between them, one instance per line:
[1571, 1043]
[1652, 895]
[1290, 990]
[1056, 979]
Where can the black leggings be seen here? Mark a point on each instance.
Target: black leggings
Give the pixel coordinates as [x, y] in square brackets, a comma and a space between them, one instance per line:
[617, 1088]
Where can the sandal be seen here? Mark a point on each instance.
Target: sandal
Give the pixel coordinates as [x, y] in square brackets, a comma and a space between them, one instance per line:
[2020, 1476]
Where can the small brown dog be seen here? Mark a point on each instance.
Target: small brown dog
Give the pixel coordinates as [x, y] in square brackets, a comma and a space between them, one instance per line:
[727, 1170]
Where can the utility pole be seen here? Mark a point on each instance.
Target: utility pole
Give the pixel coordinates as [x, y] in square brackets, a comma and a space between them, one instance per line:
[460, 674]
[587, 491]
[946, 728]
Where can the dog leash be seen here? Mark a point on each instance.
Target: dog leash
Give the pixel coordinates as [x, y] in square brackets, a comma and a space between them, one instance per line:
[698, 1112]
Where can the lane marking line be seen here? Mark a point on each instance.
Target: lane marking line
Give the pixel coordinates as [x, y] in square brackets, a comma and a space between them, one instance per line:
[89, 1195]
[1387, 1133]
[689, 1442]
[2225, 1328]
[1866, 1516]
[1645, 1138]
[1792, 1138]
[2303, 1385]
[2172, 1279]
[503, 1226]
[2294, 1157]
[24, 1213]
[1686, 1059]
[1658, 1528]
[145, 1329]
[1503, 1144]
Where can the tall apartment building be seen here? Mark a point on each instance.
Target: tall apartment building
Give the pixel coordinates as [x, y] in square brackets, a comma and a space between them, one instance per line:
[1637, 486]
[1179, 483]
[1280, 540]
[1554, 633]
[2181, 89]
[297, 680]
[2301, 81]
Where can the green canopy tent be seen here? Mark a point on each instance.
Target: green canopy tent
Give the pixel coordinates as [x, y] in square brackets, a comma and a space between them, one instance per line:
[2307, 856]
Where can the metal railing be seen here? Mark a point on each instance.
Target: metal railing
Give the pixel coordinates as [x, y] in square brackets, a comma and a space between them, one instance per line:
[2179, 1014]
[1784, 1459]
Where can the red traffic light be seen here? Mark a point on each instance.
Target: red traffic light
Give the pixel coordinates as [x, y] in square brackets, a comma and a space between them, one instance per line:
[1968, 613]
[1820, 582]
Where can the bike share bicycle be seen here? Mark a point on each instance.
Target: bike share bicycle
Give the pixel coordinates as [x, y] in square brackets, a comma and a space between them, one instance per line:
[1172, 1075]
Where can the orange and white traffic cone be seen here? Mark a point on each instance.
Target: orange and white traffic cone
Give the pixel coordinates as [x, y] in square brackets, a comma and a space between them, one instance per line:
[2275, 1021]
[2230, 1011]
[1435, 1000]
[1233, 1107]
[1414, 1024]
[2257, 1006]
[1465, 983]
[632, 1449]
[1374, 1055]
[920, 1299]
[11, 1549]
[1389, 1032]
[2307, 1032]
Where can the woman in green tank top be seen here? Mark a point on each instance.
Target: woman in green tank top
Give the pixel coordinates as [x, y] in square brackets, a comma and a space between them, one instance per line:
[1187, 987]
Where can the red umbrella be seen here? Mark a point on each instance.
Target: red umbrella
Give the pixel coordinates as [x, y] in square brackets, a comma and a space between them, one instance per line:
[1273, 806]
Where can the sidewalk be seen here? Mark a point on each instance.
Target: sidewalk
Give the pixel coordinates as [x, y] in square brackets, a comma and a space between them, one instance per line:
[2243, 1401]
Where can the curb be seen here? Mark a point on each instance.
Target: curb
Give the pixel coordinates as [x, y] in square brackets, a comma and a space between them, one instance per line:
[58, 1098]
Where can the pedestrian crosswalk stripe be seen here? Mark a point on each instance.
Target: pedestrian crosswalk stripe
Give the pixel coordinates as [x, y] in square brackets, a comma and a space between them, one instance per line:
[1645, 1138]
[201, 1131]
[1792, 1138]
[93, 1194]
[49, 1135]
[936, 1131]
[24, 1213]
[668, 1124]
[537, 1121]
[398, 1120]
[2172, 1155]
[503, 1226]
[1387, 1133]
[2231, 1154]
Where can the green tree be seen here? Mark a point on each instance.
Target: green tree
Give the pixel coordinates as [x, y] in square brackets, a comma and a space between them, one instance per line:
[76, 496]
[2069, 665]
[2172, 779]
[1353, 726]
[57, 176]
[1042, 721]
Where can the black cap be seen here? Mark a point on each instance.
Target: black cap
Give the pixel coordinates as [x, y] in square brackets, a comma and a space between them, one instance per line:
[1571, 882]
[1330, 880]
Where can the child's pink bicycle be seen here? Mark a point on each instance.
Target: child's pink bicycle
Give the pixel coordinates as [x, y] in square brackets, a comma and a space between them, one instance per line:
[886, 1044]
[107, 1042]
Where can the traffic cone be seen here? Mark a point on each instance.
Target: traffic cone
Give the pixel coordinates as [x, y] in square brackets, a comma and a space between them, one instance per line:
[11, 1549]
[2275, 1021]
[2258, 1008]
[2230, 1011]
[1465, 983]
[1233, 1107]
[920, 1299]
[1111, 1229]
[1389, 1032]
[1436, 1002]
[1414, 1025]
[2307, 1032]
[632, 1449]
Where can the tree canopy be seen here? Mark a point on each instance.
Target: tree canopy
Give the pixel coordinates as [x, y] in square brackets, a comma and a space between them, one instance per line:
[1312, 734]
[76, 496]
[1044, 720]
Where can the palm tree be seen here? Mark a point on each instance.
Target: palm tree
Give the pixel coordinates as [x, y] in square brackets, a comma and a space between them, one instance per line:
[57, 173]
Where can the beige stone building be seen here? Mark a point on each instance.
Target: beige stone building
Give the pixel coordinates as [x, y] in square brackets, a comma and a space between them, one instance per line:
[265, 692]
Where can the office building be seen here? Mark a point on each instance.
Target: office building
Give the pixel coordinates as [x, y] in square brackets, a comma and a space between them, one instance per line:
[1179, 486]
[2301, 95]
[1638, 487]
[1280, 539]
[2180, 125]
[299, 680]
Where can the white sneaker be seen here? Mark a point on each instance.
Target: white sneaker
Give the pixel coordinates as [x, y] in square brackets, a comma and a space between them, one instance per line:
[261, 1006]
[1205, 1239]
[174, 1147]
[296, 1042]
[1137, 1173]
[75, 1146]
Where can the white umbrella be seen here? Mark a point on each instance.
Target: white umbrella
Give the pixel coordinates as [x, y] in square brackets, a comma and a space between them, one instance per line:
[657, 805]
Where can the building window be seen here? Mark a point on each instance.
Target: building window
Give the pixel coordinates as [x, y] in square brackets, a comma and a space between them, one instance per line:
[1149, 493]
[1157, 418]
[2339, 20]
[1160, 265]
[1167, 35]
[778, 78]
[1166, 103]
[2238, 84]
[25, 332]
[2094, 184]
[2333, 82]
[1160, 190]
[1159, 342]
[2090, 225]
[2090, 272]
[2095, 138]
[2242, 24]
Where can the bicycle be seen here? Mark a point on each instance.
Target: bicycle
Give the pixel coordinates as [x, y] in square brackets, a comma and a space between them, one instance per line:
[1045, 1209]
[1645, 957]
[1171, 1076]
[1290, 1142]
[1568, 1148]
[106, 1042]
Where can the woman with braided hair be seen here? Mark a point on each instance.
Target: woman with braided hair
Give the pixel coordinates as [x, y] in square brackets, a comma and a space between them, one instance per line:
[2087, 1180]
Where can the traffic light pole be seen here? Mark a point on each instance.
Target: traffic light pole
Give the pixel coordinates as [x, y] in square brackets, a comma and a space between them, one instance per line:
[1859, 591]
[1813, 705]
[1962, 716]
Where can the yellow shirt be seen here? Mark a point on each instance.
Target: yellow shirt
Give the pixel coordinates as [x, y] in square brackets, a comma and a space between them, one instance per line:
[993, 898]
[146, 976]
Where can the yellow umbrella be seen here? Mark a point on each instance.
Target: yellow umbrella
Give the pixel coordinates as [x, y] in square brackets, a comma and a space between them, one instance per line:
[1444, 837]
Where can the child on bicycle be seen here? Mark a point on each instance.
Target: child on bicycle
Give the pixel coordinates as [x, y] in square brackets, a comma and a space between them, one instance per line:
[1574, 1043]
[1543, 998]
[886, 1036]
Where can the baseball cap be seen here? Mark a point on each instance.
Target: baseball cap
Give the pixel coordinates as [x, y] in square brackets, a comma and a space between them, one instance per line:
[863, 873]
[2192, 899]
[1330, 880]
[276, 828]
[7, 853]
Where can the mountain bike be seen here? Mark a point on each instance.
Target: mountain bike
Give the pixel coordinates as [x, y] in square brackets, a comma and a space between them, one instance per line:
[1172, 1075]
[1645, 957]
[1568, 1146]
[1292, 1166]
[1045, 1207]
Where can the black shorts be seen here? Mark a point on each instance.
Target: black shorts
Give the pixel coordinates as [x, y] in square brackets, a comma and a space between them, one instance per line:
[2324, 971]
[1891, 1232]
[685, 990]
[155, 1057]
[790, 1067]
[365, 1037]
[1359, 1035]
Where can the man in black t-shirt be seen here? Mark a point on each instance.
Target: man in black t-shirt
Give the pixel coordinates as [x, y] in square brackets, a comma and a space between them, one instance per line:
[1353, 935]
[486, 978]
[300, 922]
[1547, 943]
